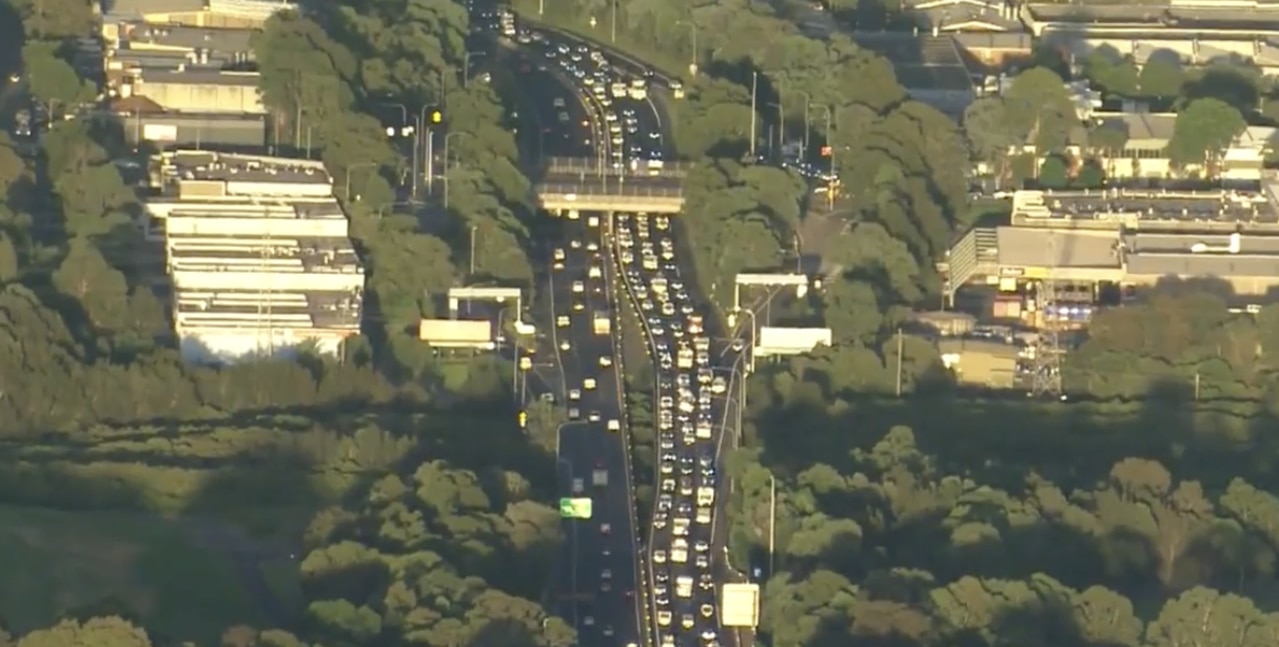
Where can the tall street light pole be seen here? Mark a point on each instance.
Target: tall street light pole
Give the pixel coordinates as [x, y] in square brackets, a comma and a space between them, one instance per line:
[447, 138]
[466, 66]
[613, 22]
[830, 183]
[350, 170]
[772, 521]
[808, 122]
[781, 125]
[692, 63]
[754, 100]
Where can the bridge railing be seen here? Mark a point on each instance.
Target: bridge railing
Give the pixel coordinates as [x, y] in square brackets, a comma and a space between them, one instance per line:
[553, 166]
[611, 186]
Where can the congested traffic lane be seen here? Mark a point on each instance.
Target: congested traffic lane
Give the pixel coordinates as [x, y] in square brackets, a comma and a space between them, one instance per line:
[621, 114]
[606, 552]
[688, 416]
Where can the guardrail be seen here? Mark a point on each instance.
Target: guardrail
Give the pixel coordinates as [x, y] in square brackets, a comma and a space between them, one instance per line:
[611, 186]
[649, 604]
[577, 166]
[642, 614]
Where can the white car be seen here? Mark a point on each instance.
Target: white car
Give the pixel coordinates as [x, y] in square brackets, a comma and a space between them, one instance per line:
[659, 557]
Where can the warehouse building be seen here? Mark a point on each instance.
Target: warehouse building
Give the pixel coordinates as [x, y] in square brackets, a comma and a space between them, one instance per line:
[1086, 241]
[259, 255]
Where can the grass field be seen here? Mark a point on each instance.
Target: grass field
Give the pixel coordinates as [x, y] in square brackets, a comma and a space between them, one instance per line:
[146, 567]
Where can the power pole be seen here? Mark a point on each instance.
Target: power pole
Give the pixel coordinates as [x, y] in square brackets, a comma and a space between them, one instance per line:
[900, 345]
[1046, 373]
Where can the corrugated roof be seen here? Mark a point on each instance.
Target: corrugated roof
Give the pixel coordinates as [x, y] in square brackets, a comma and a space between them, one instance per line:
[1144, 243]
[1020, 247]
[1234, 265]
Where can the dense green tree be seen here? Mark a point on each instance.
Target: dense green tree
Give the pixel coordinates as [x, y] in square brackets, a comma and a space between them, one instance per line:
[1162, 76]
[1203, 131]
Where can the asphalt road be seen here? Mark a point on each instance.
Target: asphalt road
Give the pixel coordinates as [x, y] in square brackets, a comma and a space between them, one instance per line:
[601, 559]
[596, 576]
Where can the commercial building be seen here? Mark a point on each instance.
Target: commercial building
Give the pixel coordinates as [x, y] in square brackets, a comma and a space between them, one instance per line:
[981, 364]
[1127, 239]
[259, 255]
[1145, 151]
[221, 14]
[182, 73]
[1196, 31]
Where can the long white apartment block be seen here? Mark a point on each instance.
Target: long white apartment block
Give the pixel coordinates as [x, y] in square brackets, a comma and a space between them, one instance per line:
[258, 253]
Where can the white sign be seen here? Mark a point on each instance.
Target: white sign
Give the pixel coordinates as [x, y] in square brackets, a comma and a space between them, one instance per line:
[160, 132]
[739, 605]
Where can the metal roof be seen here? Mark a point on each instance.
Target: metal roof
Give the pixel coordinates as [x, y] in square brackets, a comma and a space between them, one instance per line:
[1020, 247]
[1225, 265]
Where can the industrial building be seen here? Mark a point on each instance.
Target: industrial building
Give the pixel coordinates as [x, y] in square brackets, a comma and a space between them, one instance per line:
[1084, 240]
[258, 252]
[182, 73]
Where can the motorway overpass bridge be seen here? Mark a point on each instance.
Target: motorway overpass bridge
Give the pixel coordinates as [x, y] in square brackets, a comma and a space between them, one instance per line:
[591, 185]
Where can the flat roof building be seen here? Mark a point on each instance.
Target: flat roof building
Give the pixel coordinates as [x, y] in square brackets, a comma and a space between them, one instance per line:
[259, 255]
[1128, 238]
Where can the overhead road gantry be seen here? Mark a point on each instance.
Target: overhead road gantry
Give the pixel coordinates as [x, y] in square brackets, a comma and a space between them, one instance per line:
[586, 185]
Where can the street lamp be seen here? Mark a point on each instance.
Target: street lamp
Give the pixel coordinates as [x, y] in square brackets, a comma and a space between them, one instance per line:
[808, 102]
[692, 26]
[830, 188]
[781, 127]
[772, 520]
[417, 130]
[466, 66]
[350, 170]
[446, 171]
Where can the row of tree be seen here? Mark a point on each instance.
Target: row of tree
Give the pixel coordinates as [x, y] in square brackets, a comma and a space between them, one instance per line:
[890, 544]
[443, 537]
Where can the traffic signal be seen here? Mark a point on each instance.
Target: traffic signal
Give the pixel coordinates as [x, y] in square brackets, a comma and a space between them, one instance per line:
[523, 419]
[435, 115]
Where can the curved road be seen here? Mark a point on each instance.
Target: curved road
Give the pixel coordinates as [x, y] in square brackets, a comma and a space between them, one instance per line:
[595, 584]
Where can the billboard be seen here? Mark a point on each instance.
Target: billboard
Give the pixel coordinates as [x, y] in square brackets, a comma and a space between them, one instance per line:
[790, 341]
[739, 605]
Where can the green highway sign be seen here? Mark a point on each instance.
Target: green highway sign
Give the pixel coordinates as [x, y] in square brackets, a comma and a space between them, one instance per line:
[575, 508]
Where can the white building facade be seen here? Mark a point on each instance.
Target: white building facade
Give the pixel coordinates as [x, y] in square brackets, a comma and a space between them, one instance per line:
[259, 256]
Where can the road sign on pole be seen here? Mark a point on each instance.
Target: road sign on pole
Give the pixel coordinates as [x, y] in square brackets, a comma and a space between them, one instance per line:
[575, 508]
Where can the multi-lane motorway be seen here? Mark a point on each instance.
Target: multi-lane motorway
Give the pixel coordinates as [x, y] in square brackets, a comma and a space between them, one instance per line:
[597, 586]
[624, 581]
[689, 406]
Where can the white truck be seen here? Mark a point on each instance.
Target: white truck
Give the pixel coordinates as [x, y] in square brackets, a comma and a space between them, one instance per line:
[684, 586]
[638, 90]
[684, 357]
[599, 478]
[705, 496]
[601, 324]
[659, 285]
[679, 551]
[680, 528]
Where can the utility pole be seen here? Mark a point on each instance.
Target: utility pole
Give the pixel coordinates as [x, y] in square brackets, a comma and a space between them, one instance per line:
[1046, 372]
[1196, 386]
[754, 94]
[772, 520]
[900, 345]
[472, 255]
